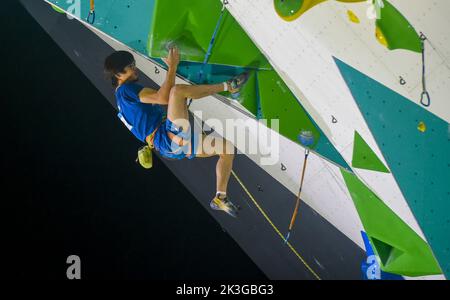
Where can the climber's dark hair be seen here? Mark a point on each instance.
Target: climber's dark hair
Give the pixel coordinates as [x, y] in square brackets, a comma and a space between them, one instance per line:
[116, 63]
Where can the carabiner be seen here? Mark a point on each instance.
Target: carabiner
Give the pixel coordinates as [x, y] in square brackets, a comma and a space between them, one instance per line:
[428, 99]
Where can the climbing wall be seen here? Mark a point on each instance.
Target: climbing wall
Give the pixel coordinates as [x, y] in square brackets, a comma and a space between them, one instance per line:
[297, 80]
[416, 144]
[303, 52]
[388, 49]
[309, 69]
[205, 33]
[324, 188]
[191, 26]
[113, 18]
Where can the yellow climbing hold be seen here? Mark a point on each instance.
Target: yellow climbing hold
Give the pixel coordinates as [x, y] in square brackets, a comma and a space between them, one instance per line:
[353, 17]
[422, 127]
[380, 37]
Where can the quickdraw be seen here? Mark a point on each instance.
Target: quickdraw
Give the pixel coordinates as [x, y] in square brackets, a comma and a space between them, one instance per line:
[425, 98]
[211, 43]
[297, 204]
[91, 16]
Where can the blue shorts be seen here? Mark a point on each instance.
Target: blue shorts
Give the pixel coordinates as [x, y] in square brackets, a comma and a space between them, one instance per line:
[171, 150]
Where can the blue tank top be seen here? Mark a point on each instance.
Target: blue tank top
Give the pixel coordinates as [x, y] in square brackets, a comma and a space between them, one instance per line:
[140, 118]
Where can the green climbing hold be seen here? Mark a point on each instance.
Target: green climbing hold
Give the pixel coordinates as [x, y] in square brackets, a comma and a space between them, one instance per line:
[57, 9]
[400, 249]
[287, 9]
[395, 32]
[364, 157]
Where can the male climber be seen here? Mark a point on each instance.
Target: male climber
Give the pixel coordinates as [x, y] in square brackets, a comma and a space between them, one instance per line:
[140, 108]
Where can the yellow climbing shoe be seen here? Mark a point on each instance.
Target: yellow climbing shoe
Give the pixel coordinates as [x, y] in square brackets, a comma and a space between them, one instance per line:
[224, 205]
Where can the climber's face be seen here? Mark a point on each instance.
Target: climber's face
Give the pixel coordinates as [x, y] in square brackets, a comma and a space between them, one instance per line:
[130, 73]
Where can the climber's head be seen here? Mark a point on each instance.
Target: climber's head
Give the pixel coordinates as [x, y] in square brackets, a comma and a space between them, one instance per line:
[120, 67]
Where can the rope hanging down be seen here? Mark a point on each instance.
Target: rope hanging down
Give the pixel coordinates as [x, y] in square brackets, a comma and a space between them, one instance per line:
[297, 204]
[261, 210]
[91, 16]
[211, 44]
[210, 47]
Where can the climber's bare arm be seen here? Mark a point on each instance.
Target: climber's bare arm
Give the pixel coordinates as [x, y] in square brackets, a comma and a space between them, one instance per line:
[161, 96]
[151, 96]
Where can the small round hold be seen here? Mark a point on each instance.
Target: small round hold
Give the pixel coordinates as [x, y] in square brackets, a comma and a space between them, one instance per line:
[156, 70]
[333, 120]
[306, 138]
[422, 127]
[402, 81]
[170, 45]
[353, 17]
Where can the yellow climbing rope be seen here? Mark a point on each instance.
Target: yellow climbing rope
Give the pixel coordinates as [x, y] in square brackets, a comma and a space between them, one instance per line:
[273, 225]
[261, 210]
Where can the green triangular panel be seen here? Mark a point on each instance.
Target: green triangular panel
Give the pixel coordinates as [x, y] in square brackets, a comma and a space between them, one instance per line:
[399, 33]
[399, 248]
[364, 157]
[277, 102]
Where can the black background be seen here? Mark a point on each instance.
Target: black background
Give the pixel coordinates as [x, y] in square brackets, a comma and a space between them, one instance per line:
[70, 184]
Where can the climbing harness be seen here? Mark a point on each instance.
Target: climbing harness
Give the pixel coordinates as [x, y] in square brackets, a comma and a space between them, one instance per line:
[297, 204]
[425, 99]
[91, 16]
